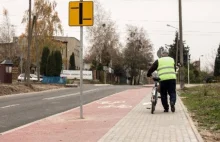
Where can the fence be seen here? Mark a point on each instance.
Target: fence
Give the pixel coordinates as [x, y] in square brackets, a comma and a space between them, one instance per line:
[53, 80]
[99, 75]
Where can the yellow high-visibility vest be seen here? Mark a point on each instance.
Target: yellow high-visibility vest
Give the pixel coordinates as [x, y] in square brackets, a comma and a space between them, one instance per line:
[166, 69]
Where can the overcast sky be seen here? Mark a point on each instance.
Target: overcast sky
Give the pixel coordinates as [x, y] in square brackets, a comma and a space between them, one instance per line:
[201, 21]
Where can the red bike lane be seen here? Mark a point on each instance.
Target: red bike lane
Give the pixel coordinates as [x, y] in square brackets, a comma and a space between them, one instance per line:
[99, 117]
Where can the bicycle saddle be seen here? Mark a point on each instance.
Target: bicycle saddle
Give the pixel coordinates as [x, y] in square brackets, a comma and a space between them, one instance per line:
[156, 78]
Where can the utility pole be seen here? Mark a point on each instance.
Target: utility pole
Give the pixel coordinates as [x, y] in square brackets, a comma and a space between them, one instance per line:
[181, 46]
[188, 61]
[37, 50]
[177, 52]
[29, 44]
[177, 48]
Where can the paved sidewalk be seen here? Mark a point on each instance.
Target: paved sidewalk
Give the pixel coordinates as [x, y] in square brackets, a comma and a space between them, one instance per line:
[121, 117]
[142, 126]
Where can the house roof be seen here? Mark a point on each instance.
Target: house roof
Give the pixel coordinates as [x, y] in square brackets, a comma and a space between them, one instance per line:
[7, 62]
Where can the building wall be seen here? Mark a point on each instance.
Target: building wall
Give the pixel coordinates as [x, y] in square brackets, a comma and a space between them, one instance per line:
[87, 66]
[73, 45]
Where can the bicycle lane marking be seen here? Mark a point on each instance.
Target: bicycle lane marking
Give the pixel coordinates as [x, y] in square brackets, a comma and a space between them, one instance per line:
[67, 126]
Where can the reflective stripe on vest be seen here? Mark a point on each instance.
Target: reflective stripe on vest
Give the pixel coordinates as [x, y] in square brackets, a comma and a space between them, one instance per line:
[166, 69]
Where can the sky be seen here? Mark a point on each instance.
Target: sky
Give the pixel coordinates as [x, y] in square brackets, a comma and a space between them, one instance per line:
[201, 22]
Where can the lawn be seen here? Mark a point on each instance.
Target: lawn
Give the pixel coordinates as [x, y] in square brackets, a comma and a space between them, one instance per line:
[203, 103]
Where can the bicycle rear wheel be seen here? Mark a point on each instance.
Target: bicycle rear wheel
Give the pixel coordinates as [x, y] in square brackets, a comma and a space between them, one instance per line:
[153, 102]
[152, 107]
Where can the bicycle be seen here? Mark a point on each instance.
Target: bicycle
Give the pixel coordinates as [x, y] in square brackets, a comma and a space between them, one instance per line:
[154, 96]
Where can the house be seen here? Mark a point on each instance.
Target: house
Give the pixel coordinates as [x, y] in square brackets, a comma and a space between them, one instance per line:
[71, 45]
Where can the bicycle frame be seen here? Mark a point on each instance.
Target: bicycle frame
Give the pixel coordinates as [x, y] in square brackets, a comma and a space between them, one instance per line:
[154, 96]
[155, 92]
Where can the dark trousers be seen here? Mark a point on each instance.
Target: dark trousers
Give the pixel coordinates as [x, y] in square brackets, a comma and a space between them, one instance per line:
[168, 86]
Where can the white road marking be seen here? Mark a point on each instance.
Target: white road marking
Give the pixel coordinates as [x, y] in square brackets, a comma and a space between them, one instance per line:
[63, 96]
[58, 114]
[148, 103]
[114, 104]
[10, 106]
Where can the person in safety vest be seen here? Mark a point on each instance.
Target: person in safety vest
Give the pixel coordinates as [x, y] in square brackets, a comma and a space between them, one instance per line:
[165, 67]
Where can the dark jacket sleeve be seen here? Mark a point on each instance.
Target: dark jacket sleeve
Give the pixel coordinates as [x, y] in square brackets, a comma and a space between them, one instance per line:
[152, 68]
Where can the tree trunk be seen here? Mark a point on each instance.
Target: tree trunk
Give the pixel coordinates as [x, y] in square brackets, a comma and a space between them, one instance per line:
[139, 77]
[131, 81]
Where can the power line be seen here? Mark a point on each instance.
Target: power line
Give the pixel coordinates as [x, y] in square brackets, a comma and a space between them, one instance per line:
[159, 32]
[144, 20]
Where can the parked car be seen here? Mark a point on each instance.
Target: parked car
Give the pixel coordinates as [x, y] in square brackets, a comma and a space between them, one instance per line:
[33, 77]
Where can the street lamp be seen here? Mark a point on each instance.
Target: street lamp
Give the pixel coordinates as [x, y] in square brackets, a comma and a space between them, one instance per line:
[188, 62]
[105, 68]
[177, 43]
[172, 26]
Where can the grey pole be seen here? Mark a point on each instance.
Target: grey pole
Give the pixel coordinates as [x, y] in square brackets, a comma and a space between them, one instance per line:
[37, 52]
[181, 46]
[81, 71]
[188, 65]
[177, 49]
[29, 44]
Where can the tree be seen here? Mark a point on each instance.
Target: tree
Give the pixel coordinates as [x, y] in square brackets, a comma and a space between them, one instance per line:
[172, 51]
[210, 61]
[72, 62]
[48, 24]
[59, 64]
[103, 38]
[51, 65]
[119, 70]
[138, 52]
[7, 32]
[217, 63]
[43, 63]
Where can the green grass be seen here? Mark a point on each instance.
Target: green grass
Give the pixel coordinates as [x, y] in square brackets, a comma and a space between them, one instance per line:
[204, 103]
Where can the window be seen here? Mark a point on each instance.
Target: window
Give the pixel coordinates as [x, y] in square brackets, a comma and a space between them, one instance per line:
[8, 69]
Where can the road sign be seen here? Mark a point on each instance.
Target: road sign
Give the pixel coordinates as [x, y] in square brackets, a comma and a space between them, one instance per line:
[81, 13]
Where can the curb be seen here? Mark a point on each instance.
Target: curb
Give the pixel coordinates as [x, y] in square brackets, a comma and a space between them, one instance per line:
[150, 85]
[57, 114]
[195, 131]
[34, 93]
[71, 85]
[102, 84]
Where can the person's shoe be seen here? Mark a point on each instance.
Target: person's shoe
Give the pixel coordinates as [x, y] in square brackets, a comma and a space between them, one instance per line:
[172, 107]
[166, 110]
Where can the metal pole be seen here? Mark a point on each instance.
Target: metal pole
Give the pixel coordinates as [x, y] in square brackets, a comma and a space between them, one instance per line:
[81, 71]
[188, 65]
[66, 57]
[105, 76]
[177, 50]
[21, 58]
[181, 46]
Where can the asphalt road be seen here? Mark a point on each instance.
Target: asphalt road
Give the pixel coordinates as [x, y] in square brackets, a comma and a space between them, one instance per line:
[18, 110]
